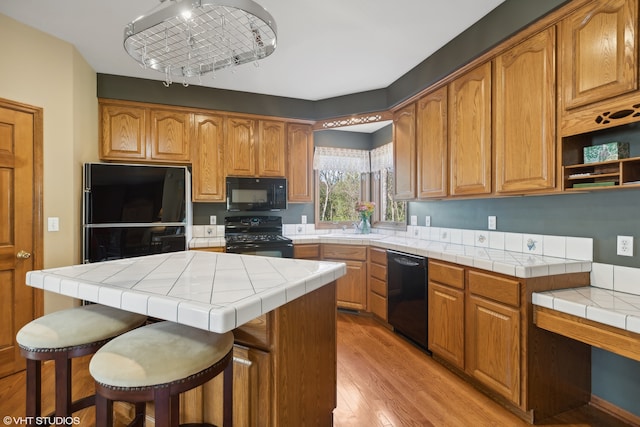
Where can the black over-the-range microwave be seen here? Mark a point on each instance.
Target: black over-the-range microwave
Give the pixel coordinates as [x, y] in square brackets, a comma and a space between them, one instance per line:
[256, 194]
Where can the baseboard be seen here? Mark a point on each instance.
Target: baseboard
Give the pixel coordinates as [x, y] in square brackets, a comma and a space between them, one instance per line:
[615, 411]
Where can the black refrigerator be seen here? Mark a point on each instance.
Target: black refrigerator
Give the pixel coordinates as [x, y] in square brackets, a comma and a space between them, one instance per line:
[134, 210]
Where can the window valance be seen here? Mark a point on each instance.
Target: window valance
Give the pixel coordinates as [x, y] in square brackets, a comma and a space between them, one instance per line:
[341, 159]
[382, 158]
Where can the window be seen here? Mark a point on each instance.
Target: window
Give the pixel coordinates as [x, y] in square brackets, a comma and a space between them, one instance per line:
[346, 176]
[390, 211]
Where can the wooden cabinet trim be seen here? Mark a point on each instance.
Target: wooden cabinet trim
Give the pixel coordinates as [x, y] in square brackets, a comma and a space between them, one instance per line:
[615, 340]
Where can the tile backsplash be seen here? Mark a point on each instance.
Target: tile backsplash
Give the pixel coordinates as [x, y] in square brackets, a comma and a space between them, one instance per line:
[616, 278]
[580, 248]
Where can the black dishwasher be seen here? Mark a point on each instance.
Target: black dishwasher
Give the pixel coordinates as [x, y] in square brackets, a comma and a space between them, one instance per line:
[407, 295]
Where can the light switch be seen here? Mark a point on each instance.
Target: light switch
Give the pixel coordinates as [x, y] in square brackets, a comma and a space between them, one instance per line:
[53, 223]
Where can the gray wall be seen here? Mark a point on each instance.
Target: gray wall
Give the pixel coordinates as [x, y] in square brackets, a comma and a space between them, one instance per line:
[600, 215]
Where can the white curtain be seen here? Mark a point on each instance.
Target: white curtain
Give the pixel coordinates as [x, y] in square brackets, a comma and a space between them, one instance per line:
[382, 158]
[341, 159]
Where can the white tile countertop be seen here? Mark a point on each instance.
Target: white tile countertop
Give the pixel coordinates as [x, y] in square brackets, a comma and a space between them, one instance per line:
[618, 309]
[212, 291]
[515, 254]
[517, 264]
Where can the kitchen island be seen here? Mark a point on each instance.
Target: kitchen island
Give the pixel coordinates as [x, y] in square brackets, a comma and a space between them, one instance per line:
[282, 312]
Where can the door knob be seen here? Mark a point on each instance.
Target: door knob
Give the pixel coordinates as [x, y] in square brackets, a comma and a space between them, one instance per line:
[23, 255]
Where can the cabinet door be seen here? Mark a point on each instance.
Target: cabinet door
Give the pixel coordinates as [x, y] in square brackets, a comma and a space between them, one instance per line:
[208, 161]
[446, 323]
[493, 346]
[240, 155]
[299, 163]
[470, 133]
[170, 136]
[431, 144]
[271, 148]
[404, 153]
[599, 52]
[352, 287]
[524, 114]
[124, 132]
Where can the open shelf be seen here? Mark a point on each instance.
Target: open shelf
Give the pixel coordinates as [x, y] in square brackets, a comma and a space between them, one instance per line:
[621, 173]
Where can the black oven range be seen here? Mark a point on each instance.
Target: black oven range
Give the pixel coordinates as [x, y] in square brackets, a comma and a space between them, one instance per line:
[256, 235]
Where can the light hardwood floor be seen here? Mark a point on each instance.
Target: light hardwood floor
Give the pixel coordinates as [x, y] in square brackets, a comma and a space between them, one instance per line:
[382, 381]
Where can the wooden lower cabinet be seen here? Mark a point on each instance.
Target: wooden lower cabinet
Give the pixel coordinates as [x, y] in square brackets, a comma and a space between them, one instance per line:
[446, 323]
[481, 326]
[493, 346]
[307, 251]
[352, 287]
[378, 282]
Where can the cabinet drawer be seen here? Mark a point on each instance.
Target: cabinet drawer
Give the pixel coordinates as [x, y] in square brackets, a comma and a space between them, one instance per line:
[446, 274]
[378, 271]
[306, 251]
[378, 305]
[343, 252]
[378, 256]
[494, 287]
[378, 286]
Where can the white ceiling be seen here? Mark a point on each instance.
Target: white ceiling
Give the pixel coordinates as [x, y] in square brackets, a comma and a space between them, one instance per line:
[325, 48]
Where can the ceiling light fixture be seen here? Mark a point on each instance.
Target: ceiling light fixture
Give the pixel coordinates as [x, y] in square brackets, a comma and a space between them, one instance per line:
[190, 38]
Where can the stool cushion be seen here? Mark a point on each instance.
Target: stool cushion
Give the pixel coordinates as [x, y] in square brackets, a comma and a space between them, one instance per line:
[77, 326]
[156, 354]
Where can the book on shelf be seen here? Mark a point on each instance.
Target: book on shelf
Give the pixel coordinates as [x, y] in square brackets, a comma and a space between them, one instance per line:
[594, 184]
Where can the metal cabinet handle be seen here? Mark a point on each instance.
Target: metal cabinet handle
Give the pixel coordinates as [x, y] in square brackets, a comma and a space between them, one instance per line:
[23, 255]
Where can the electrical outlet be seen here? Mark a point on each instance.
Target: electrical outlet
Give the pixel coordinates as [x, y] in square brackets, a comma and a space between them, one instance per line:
[625, 245]
[492, 222]
[414, 219]
[213, 220]
[303, 219]
[427, 221]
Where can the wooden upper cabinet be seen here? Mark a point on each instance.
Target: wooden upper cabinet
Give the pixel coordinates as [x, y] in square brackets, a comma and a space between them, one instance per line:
[124, 132]
[599, 52]
[271, 143]
[524, 112]
[431, 144]
[208, 160]
[170, 137]
[404, 153]
[299, 163]
[240, 149]
[470, 132]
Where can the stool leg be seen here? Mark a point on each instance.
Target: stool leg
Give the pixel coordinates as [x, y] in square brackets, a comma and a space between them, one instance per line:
[175, 410]
[34, 388]
[104, 411]
[163, 406]
[140, 415]
[227, 396]
[63, 384]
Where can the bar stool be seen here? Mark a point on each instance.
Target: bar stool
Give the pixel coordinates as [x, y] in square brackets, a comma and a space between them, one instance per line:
[62, 336]
[156, 363]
